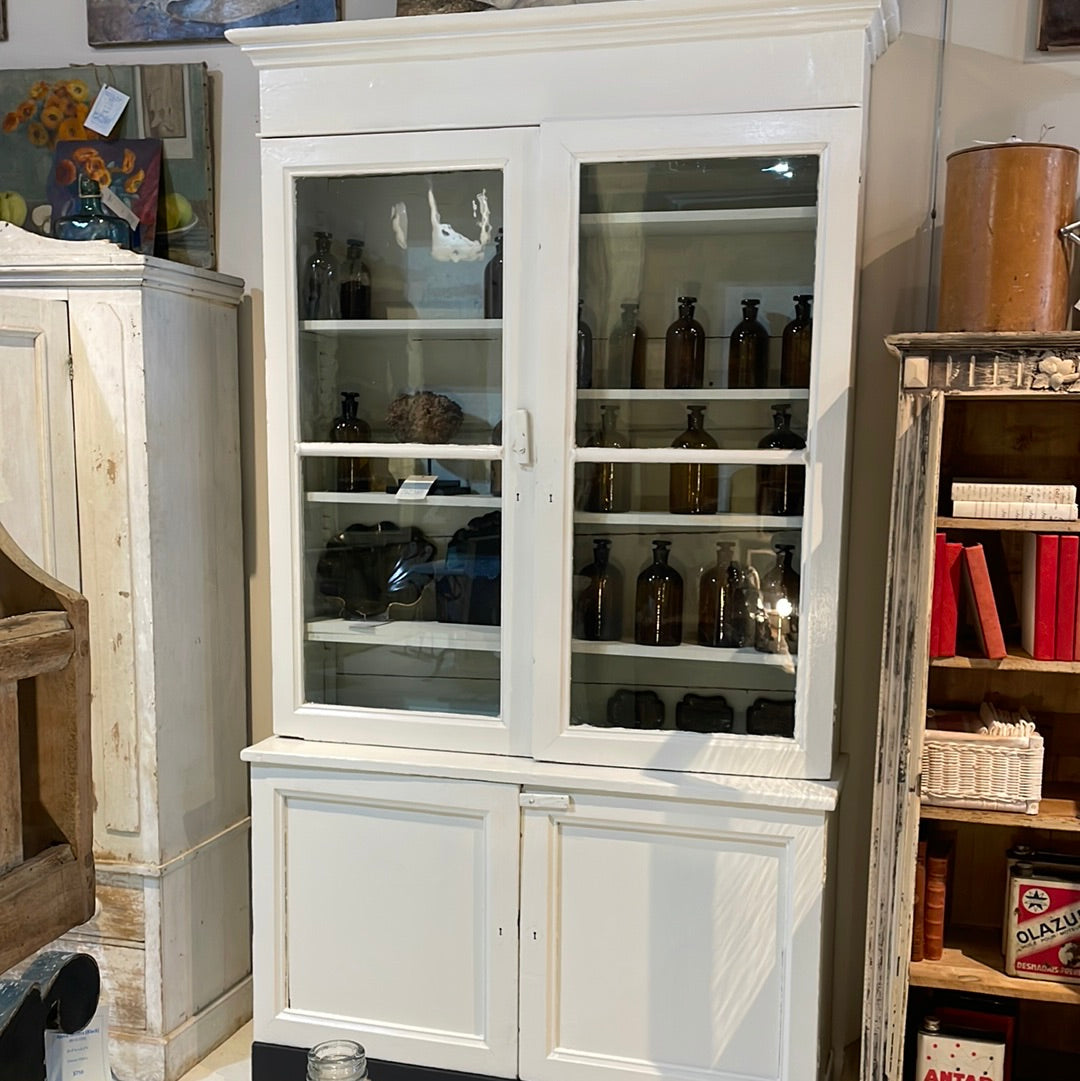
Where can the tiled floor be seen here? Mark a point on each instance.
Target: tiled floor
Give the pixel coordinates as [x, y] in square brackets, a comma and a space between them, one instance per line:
[230, 1062]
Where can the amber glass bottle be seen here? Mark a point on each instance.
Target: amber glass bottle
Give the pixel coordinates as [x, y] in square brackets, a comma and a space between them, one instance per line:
[626, 350]
[778, 629]
[598, 611]
[659, 601]
[780, 487]
[607, 484]
[496, 463]
[722, 616]
[748, 354]
[353, 474]
[684, 348]
[584, 349]
[355, 293]
[693, 486]
[493, 281]
[795, 350]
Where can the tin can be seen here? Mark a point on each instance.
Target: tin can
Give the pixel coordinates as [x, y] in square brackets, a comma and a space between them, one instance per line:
[958, 1055]
[1044, 924]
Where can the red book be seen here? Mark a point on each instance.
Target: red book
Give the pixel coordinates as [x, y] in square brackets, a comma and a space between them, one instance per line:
[1068, 564]
[1038, 615]
[950, 601]
[981, 603]
[935, 599]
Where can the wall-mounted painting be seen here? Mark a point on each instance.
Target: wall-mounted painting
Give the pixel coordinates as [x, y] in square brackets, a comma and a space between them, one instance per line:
[1059, 25]
[125, 22]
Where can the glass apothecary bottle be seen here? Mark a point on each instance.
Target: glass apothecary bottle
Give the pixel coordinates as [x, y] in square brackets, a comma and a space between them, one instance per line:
[658, 603]
[693, 486]
[355, 283]
[493, 281]
[795, 348]
[337, 1060]
[684, 349]
[584, 349]
[778, 628]
[748, 352]
[320, 284]
[353, 474]
[607, 484]
[723, 619]
[780, 487]
[90, 221]
[626, 350]
[598, 611]
[496, 463]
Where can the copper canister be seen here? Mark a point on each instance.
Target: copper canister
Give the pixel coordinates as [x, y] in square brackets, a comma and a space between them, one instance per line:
[1004, 264]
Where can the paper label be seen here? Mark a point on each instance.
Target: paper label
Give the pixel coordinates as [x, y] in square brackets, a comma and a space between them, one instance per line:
[82, 1056]
[113, 202]
[416, 487]
[106, 110]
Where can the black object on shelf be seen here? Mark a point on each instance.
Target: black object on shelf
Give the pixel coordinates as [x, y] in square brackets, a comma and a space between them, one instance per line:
[704, 713]
[635, 709]
[468, 583]
[770, 717]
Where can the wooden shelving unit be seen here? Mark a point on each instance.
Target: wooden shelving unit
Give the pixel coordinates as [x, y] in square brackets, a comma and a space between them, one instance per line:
[1016, 661]
[1060, 814]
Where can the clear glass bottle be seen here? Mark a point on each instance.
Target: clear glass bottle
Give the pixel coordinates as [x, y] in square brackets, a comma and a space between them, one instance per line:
[89, 221]
[748, 352]
[598, 610]
[750, 588]
[684, 348]
[321, 299]
[493, 281]
[693, 487]
[607, 484]
[353, 474]
[778, 629]
[659, 601]
[722, 615]
[584, 349]
[780, 487]
[496, 463]
[337, 1060]
[355, 283]
[626, 350]
[795, 349]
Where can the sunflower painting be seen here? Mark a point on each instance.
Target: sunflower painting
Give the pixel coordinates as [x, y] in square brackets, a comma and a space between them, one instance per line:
[121, 22]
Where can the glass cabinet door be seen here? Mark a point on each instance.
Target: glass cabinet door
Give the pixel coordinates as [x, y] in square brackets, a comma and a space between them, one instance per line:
[693, 359]
[403, 401]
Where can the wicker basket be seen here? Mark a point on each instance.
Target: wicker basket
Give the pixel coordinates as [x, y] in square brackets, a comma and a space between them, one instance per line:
[982, 772]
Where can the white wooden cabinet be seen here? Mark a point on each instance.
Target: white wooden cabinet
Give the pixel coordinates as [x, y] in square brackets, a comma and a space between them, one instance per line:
[671, 892]
[120, 472]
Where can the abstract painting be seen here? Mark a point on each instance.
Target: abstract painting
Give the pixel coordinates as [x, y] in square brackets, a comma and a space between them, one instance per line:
[126, 22]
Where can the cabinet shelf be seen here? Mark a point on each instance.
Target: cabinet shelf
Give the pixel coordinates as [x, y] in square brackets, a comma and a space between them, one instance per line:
[662, 520]
[1007, 525]
[686, 653]
[413, 635]
[472, 499]
[972, 962]
[1018, 660]
[706, 394]
[1060, 813]
[780, 219]
[418, 329]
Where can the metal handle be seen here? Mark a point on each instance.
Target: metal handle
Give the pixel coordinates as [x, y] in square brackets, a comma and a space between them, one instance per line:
[1070, 232]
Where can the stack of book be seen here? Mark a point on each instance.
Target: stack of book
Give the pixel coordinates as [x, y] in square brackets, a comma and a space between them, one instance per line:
[928, 911]
[961, 575]
[1016, 500]
[1048, 592]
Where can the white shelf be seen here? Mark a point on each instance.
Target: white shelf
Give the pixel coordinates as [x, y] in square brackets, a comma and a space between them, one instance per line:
[665, 455]
[417, 329]
[464, 452]
[708, 394]
[686, 653]
[471, 499]
[414, 635]
[781, 219]
[664, 520]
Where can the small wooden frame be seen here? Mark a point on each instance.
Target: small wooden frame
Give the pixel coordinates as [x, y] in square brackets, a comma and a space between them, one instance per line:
[46, 823]
[1059, 25]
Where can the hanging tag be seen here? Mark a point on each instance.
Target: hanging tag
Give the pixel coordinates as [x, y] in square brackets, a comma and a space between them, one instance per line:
[113, 202]
[416, 487]
[106, 110]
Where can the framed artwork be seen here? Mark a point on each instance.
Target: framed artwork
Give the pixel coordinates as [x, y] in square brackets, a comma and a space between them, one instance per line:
[3, 21]
[121, 22]
[40, 108]
[1059, 25]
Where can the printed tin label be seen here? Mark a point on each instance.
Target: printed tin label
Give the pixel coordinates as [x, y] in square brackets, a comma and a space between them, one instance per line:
[1044, 928]
[945, 1057]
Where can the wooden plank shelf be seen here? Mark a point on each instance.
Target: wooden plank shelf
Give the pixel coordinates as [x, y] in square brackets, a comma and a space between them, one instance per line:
[410, 634]
[1061, 814]
[1007, 525]
[1018, 660]
[972, 961]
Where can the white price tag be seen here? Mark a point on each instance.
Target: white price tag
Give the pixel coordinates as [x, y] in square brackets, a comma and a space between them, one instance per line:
[416, 487]
[83, 1055]
[113, 202]
[106, 110]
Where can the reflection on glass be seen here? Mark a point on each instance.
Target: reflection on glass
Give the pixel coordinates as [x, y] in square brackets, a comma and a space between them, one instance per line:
[748, 353]
[659, 601]
[607, 485]
[496, 464]
[778, 629]
[795, 352]
[693, 486]
[320, 299]
[584, 349]
[353, 474]
[723, 618]
[598, 611]
[493, 281]
[355, 283]
[626, 350]
[780, 487]
[684, 348]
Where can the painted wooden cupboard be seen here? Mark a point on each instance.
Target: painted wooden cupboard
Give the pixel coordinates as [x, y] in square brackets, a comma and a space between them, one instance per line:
[556, 557]
[119, 470]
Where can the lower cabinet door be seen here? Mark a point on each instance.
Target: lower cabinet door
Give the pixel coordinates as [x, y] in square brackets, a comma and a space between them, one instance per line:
[673, 940]
[385, 911]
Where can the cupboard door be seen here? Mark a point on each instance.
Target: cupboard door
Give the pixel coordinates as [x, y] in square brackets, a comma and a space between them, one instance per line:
[664, 939]
[37, 436]
[387, 913]
[399, 437]
[699, 432]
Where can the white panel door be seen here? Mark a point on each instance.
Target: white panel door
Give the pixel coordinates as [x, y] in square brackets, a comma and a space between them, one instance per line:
[668, 940]
[37, 440]
[385, 911]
